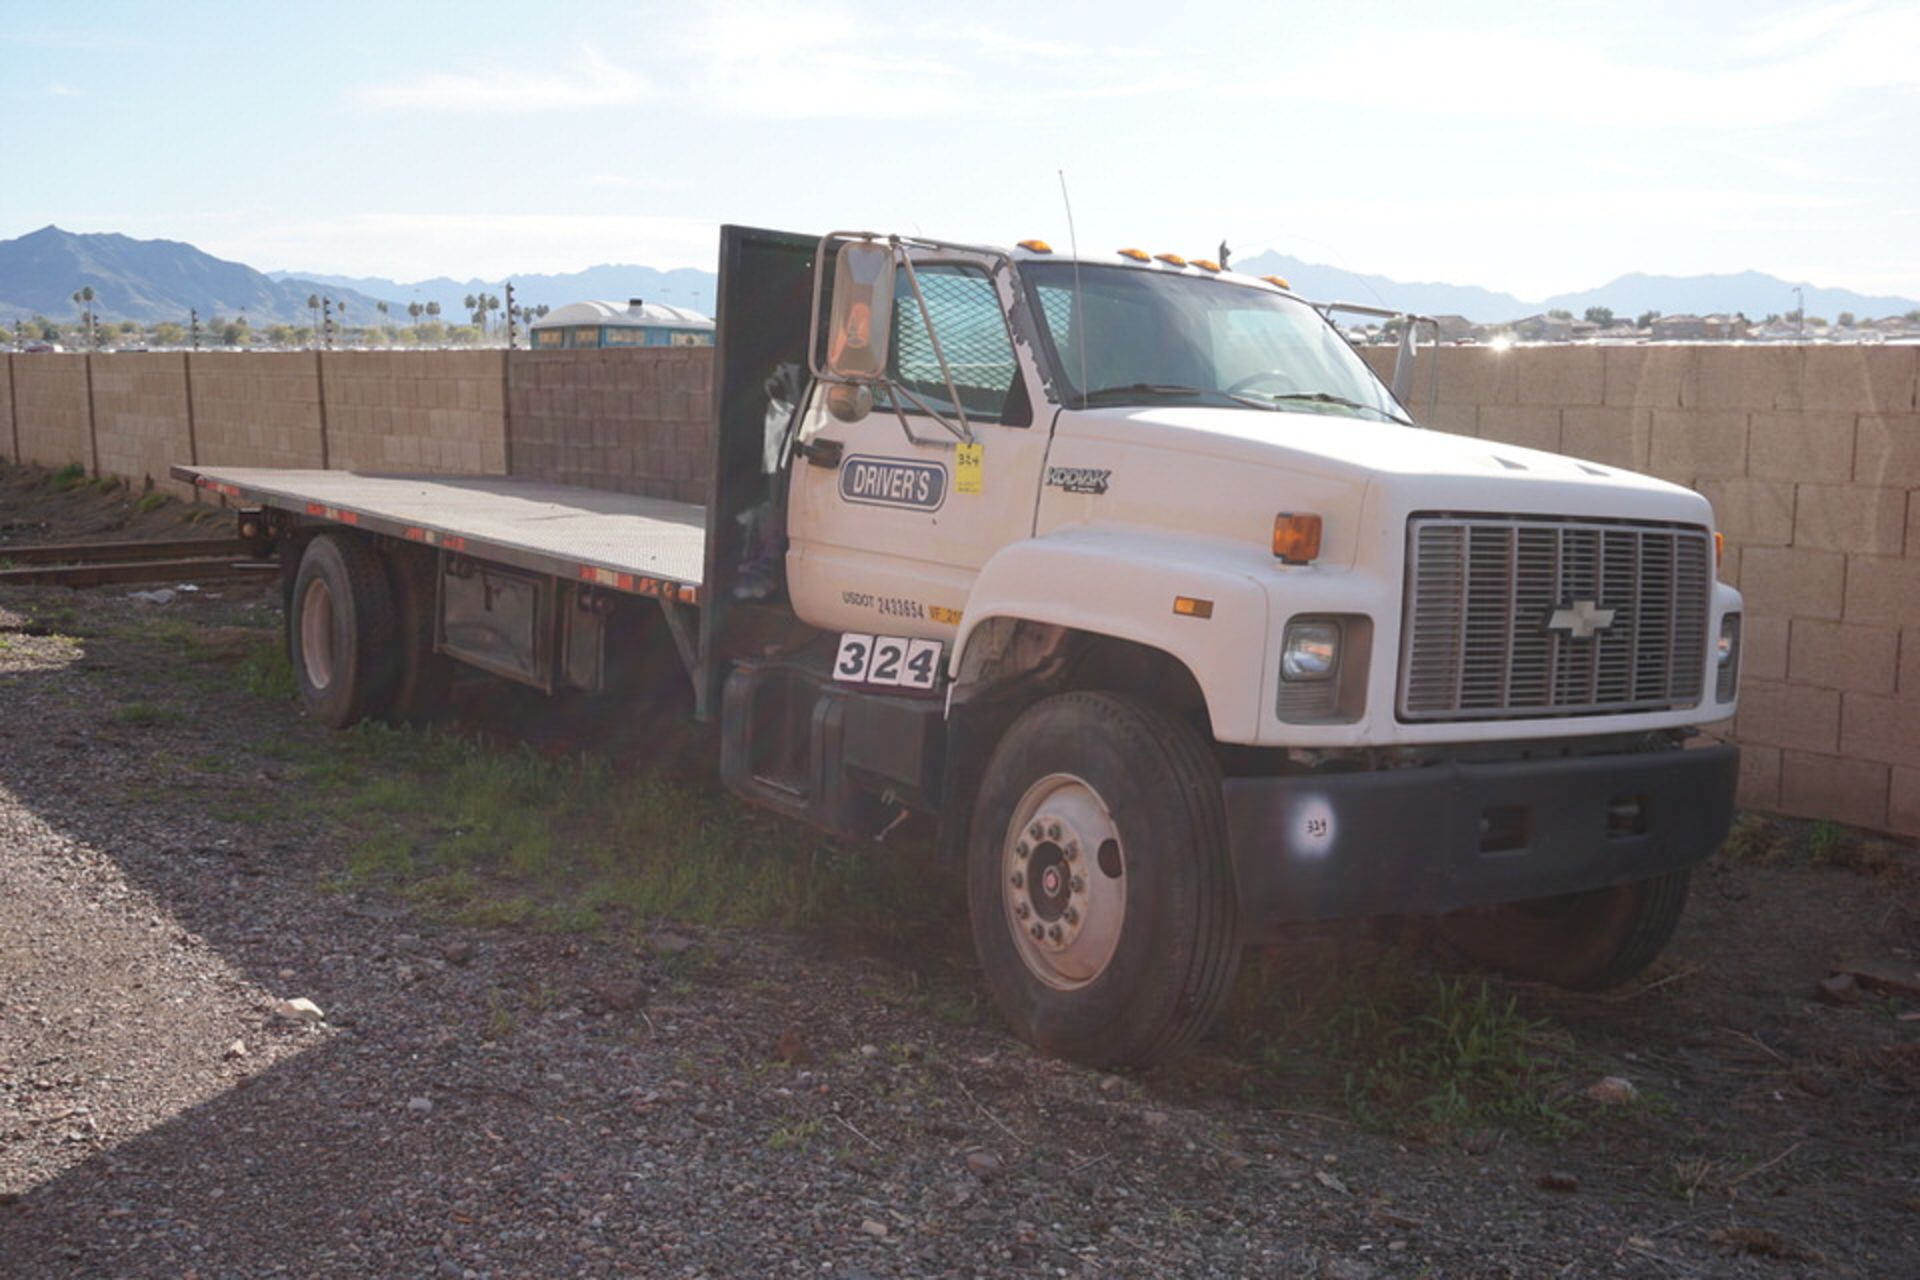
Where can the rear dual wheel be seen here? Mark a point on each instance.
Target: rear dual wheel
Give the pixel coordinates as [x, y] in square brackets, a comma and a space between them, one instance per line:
[360, 634]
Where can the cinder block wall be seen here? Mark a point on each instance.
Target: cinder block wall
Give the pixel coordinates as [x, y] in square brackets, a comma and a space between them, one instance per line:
[417, 411]
[140, 417]
[1811, 458]
[633, 420]
[257, 409]
[9, 446]
[50, 396]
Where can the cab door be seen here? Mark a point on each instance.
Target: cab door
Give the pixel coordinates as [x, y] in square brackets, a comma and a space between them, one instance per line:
[887, 532]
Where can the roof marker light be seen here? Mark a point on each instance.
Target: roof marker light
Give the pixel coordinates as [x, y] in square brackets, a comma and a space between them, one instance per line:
[1138, 255]
[1171, 259]
[1278, 281]
[1036, 246]
[1206, 264]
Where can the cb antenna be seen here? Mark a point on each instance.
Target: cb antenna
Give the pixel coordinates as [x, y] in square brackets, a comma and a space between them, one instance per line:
[1079, 303]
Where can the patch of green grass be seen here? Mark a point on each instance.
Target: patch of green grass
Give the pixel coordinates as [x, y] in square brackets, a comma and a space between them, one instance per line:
[1402, 1049]
[68, 477]
[150, 502]
[147, 713]
[263, 670]
[797, 1134]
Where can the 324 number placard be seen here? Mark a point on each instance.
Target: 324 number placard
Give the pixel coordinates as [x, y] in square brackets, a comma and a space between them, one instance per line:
[887, 661]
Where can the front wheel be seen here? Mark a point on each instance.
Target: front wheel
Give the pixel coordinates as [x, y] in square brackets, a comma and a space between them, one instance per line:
[1099, 885]
[1582, 941]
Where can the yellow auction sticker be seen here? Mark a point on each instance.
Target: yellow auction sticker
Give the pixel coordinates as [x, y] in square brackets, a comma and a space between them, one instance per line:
[968, 459]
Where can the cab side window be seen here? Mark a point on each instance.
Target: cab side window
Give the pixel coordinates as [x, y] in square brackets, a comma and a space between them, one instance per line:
[966, 314]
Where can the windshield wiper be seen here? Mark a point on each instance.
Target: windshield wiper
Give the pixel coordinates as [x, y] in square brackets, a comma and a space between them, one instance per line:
[1327, 397]
[1172, 391]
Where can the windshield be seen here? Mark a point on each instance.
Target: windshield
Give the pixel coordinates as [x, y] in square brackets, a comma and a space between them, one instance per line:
[1157, 338]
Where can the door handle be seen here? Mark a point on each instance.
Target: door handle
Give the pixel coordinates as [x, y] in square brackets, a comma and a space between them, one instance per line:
[820, 452]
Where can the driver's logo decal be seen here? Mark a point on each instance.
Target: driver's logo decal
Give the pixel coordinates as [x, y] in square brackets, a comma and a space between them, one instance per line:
[893, 482]
[1078, 479]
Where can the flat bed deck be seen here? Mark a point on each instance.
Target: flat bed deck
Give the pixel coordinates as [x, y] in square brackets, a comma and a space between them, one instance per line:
[647, 546]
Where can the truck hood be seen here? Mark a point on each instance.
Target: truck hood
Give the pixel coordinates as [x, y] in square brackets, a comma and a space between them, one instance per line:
[1223, 474]
[1339, 447]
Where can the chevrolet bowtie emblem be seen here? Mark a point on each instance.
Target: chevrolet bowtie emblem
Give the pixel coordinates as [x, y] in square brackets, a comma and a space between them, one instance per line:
[1581, 620]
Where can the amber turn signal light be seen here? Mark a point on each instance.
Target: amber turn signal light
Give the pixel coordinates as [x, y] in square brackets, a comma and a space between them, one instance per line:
[1719, 548]
[1296, 539]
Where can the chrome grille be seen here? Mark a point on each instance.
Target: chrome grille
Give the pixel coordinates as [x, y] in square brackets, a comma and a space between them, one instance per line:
[1481, 591]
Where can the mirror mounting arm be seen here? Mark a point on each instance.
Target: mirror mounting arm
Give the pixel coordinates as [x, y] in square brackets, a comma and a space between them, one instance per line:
[965, 431]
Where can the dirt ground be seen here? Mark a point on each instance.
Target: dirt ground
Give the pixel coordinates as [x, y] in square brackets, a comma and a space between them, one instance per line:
[800, 1075]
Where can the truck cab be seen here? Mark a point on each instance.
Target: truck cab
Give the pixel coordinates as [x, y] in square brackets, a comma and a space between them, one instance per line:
[1131, 572]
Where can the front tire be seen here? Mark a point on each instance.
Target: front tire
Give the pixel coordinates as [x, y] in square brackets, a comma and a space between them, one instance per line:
[1099, 885]
[341, 634]
[1582, 941]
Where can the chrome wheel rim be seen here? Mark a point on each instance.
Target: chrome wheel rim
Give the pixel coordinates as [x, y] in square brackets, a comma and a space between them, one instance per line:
[1063, 882]
[316, 633]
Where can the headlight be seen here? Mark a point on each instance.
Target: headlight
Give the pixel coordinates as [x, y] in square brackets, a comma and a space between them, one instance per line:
[1726, 681]
[1311, 650]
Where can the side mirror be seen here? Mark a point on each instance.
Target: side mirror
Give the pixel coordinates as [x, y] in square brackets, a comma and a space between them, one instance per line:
[862, 320]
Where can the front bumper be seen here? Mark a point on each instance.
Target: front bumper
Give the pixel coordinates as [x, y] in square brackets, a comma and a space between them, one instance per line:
[1430, 839]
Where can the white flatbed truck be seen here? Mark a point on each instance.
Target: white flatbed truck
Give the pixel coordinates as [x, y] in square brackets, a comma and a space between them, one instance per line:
[1129, 573]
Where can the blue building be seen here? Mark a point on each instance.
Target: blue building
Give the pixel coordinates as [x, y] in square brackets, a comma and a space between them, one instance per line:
[608, 324]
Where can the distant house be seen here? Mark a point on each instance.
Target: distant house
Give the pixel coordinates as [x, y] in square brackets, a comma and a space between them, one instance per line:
[1713, 328]
[1454, 328]
[1543, 328]
[608, 324]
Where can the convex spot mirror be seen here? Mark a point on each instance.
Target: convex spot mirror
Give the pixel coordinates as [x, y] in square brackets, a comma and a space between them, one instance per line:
[862, 320]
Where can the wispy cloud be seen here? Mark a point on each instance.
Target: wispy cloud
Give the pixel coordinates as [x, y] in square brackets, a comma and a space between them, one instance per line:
[592, 83]
[1788, 72]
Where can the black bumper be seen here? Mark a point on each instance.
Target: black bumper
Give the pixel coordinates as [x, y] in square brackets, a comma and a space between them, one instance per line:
[1445, 836]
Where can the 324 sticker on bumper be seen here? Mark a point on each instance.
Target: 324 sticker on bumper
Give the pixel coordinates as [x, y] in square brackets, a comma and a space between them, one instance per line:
[888, 661]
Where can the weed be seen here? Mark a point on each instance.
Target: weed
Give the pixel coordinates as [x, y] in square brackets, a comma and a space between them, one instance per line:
[264, 672]
[68, 477]
[1400, 1048]
[150, 502]
[1825, 842]
[797, 1134]
[499, 1018]
[147, 713]
[1686, 1177]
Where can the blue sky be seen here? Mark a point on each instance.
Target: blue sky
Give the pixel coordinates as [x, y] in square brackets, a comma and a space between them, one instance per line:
[1532, 148]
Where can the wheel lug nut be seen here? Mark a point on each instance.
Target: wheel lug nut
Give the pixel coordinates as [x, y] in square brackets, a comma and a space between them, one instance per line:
[1053, 932]
[1053, 831]
[1071, 916]
[1022, 910]
[1019, 881]
[1079, 885]
[1038, 932]
[1023, 849]
[1073, 852]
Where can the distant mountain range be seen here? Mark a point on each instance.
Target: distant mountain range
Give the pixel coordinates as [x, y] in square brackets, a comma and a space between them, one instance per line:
[148, 281]
[682, 287]
[155, 280]
[1751, 292]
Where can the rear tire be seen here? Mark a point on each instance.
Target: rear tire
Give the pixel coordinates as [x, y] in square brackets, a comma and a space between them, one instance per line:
[1582, 941]
[341, 633]
[1100, 823]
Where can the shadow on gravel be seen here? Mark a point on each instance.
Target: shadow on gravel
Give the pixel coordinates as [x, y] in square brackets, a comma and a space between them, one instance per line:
[748, 1102]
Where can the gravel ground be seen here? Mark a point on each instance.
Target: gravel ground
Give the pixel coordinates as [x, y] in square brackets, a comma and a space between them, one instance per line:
[704, 1102]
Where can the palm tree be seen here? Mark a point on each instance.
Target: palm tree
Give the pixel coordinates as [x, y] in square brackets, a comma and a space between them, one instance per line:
[84, 299]
[414, 309]
[433, 311]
